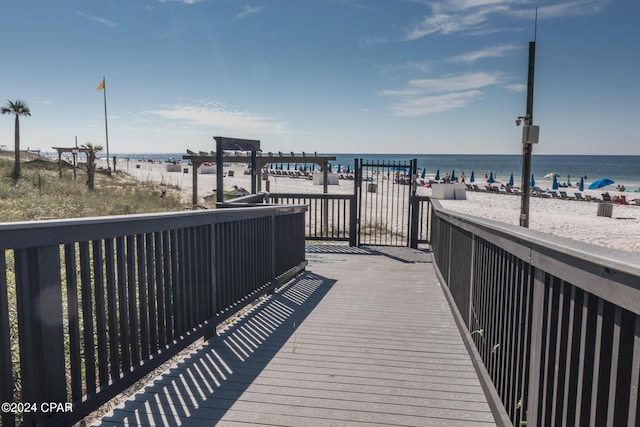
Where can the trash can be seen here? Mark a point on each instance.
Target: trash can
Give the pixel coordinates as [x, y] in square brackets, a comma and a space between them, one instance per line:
[605, 209]
[372, 187]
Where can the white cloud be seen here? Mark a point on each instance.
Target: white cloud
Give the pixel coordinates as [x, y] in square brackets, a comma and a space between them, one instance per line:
[427, 96]
[517, 87]
[217, 116]
[181, 1]
[97, 19]
[488, 52]
[424, 105]
[248, 10]
[462, 82]
[473, 16]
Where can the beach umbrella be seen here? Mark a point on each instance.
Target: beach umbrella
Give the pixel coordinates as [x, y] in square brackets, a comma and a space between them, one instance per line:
[438, 175]
[473, 178]
[569, 180]
[555, 182]
[348, 168]
[453, 175]
[551, 175]
[581, 187]
[329, 168]
[491, 180]
[600, 183]
[511, 181]
[424, 173]
[532, 183]
[338, 168]
[288, 166]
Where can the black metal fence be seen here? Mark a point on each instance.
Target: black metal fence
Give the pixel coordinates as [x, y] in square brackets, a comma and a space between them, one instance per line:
[89, 306]
[335, 217]
[554, 324]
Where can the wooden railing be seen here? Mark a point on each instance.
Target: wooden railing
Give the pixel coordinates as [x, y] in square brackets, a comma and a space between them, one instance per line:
[553, 324]
[89, 306]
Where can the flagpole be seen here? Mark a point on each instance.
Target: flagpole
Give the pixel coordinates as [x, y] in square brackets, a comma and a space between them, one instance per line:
[106, 127]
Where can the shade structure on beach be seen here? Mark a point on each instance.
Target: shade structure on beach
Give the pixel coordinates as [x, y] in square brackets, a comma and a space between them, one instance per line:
[491, 180]
[453, 175]
[424, 173]
[581, 187]
[569, 180]
[511, 181]
[473, 178]
[438, 175]
[554, 186]
[532, 183]
[603, 182]
[348, 168]
[551, 175]
[329, 167]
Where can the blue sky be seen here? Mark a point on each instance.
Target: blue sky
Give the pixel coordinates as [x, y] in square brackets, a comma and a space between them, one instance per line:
[337, 76]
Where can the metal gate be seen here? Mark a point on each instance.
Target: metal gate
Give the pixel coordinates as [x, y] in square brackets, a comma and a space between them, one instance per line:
[385, 193]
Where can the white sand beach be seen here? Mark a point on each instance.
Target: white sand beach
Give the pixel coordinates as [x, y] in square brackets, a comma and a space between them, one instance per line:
[566, 218]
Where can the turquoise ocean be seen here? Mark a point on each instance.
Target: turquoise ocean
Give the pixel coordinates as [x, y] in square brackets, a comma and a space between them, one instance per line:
[624, 170]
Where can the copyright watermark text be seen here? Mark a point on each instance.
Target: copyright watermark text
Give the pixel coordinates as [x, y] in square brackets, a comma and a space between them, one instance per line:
[44, 407]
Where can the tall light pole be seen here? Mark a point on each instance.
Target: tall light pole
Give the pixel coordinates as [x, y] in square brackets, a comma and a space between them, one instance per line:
[529, 137]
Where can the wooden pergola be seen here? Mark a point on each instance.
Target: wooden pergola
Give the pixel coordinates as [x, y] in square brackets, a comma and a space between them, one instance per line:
[256, 159]
[72, 150]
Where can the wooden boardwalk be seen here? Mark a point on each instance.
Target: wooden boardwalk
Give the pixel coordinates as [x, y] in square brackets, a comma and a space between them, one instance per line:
[363, 338]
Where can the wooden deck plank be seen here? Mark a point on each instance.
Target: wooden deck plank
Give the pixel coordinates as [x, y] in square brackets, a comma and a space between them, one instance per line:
[361, 338]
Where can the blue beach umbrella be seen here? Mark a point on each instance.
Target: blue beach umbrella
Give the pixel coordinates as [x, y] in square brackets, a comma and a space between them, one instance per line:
[438, 175]
[338, 169]
[555, 182]
[424, 173]
[473, 178]
[511, 181]
[569, 180]
[288, 166]
[453, 175]
[491, 180]
[348, 168]
[532, 183]
[600, 183]
[329, 168]
[581, 187]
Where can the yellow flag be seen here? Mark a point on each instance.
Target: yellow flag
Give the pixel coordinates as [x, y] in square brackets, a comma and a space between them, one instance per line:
[101, 86]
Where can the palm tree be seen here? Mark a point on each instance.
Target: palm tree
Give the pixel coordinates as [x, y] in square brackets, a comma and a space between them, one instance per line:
[91, 151]
[19, 108]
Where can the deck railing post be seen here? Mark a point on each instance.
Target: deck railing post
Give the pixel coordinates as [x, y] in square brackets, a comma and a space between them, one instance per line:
[535, 349]
[213, 274]
[40, 324]
[415, 214]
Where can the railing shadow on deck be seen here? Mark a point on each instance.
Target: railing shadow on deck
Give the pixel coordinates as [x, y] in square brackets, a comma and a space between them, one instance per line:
[203, 386]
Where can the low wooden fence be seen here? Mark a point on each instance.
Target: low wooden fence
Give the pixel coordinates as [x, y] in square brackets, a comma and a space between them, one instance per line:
[89, 306]
[553, 324]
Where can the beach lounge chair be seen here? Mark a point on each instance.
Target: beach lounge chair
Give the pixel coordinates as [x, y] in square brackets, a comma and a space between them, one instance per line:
[476, 188]
[580, 197]
[565, 196]
[606, 197]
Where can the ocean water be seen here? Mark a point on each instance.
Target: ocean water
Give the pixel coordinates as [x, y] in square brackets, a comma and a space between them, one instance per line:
[623, 170]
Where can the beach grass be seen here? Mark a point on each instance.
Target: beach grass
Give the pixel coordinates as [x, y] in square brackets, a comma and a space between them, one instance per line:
[42, 194]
